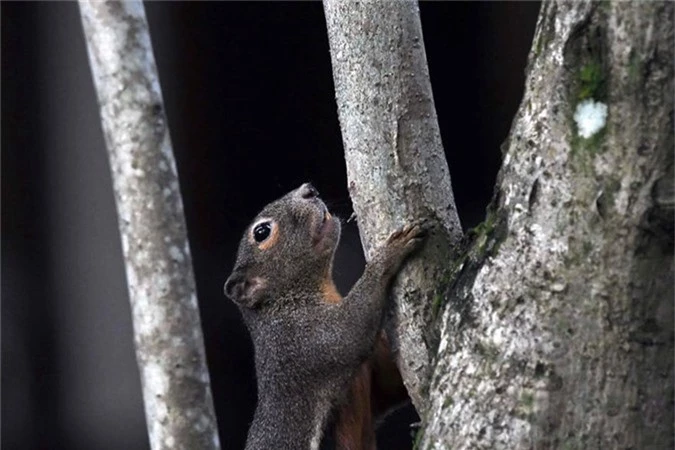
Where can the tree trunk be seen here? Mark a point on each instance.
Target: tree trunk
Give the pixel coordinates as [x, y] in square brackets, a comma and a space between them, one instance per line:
[168, 337]
[557, 325]
[396, 167]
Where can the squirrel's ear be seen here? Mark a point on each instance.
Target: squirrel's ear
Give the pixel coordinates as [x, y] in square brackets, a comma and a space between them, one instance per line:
[245, 290]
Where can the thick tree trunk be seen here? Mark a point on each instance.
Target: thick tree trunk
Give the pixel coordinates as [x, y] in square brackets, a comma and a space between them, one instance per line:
[396, 167]
[168, 337]
[557, 326]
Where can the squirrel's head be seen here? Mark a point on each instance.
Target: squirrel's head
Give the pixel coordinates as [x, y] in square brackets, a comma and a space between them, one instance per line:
[288, 247]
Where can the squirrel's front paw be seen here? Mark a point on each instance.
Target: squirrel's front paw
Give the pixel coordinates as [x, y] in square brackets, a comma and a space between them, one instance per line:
[409, 238]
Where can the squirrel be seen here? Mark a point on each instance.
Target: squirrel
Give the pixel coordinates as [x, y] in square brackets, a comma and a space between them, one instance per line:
[311, 346]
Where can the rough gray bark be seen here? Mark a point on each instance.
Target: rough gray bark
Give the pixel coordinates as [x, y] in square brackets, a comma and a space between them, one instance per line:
[557, 326]
[559, 329]
[396, 166]
[168, 337]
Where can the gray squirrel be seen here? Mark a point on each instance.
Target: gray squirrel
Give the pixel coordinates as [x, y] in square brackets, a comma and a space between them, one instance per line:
[309, 342]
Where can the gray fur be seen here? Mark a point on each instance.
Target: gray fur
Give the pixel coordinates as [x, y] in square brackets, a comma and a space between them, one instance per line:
[307, 349]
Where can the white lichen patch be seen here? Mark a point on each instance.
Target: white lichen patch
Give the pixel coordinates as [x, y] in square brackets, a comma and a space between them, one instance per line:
[590, 117]
[155, 387]
[155, 379]
[125, 244]
[202, 423]
[176, 254]
[146, 319]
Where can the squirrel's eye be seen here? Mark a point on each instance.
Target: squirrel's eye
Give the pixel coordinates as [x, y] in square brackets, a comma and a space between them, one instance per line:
[262, 231]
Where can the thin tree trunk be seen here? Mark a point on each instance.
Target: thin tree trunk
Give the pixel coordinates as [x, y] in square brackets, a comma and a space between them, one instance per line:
[168, 337]
[557, 326]
[396, 167]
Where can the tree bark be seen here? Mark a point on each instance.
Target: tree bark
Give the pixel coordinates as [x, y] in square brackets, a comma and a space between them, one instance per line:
[396, 167]
[559, 328]
[557, 325]
[168, 337]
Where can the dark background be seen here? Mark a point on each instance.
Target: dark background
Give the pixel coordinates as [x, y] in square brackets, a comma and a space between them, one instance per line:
[249, 96]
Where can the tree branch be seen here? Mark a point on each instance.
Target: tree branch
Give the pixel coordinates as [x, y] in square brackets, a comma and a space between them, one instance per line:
[396, 166]
[168, 338]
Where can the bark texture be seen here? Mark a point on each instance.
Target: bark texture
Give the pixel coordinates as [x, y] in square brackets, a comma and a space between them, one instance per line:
[558, 330]
[556, 326]
[396, 166]
[168, 337]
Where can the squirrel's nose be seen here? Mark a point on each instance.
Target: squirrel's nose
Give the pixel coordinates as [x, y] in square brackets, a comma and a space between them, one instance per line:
[308, 191]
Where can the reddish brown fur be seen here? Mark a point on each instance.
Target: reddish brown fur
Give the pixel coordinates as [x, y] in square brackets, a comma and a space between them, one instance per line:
[387, 388]
[376, 388]
[330, 292]
[355, 429]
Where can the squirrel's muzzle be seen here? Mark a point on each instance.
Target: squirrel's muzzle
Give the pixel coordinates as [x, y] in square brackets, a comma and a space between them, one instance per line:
[307, 191]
